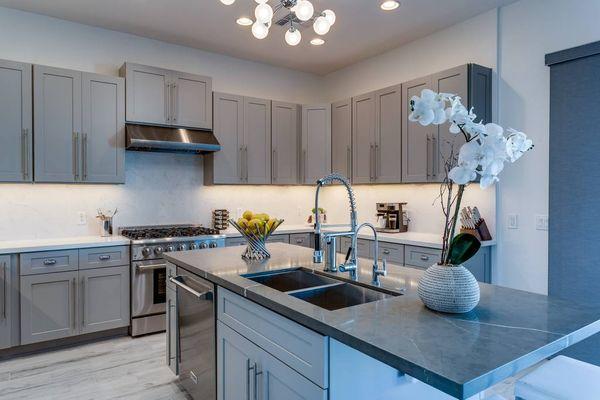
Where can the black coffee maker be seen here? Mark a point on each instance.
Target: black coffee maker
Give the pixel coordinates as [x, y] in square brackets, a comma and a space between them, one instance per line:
[391, 218]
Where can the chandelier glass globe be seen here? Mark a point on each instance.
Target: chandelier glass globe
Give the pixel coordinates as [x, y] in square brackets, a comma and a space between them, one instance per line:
[321, 26]
[259, 1]
[260, 30]
[228, 2]
[304, 10]
[263, 13]
[330, 16]
[293, 36]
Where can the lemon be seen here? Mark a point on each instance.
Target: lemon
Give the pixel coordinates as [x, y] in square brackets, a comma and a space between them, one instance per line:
[271, 222]
[248, 215]
[242, 223]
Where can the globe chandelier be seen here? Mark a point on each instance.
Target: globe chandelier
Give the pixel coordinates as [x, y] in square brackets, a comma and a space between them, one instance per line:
[293, 14]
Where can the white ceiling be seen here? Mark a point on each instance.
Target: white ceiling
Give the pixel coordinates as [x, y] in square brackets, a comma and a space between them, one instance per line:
[362, 29]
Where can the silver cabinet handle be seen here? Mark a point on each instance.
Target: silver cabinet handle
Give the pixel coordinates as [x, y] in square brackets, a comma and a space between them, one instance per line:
[249, 368]
[76, 155]
[144, 268]
[434, 155]
[167, 102]
[246, 163]
[25, 155]
[188, 289]
[175, 102]
[376, 162]
[83, 302]
[104, 257]
[84, 155]
[371, 147]
[424, 258]
[427, 154]
[4, 289]
[74, 288]
[348, 161]
[241, 163]
[386, 252]
[168, 326]
[274, 165]
[49, 261]
[256, 374]
[304, 166]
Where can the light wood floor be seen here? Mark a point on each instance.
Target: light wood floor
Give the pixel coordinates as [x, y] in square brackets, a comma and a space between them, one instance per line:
[121, 368]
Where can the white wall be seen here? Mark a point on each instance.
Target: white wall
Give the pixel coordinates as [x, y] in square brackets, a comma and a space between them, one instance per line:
[529, 29]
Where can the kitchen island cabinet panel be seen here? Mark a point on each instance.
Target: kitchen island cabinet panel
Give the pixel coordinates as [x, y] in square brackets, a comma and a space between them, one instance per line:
[16, 153]
[6, 318]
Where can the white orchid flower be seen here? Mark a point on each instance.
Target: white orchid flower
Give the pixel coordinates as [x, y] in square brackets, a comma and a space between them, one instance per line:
[429, 108]
[462, 175]
[487, 181]
[492, 129]
[517, 144]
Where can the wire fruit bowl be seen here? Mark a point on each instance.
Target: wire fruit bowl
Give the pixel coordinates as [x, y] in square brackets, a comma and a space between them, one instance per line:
[256, 236]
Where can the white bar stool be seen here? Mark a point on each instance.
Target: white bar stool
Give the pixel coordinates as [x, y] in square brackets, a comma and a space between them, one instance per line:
[561, 378]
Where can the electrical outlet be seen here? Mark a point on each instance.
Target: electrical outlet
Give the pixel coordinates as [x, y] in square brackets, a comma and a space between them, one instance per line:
[541, 222]
[512, 221]
[299, 211]
[81, 218]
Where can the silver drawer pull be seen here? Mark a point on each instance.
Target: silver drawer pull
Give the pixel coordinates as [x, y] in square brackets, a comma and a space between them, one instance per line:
[144, 268]
[104, 257]
[188, 289]
[424, 258]
[49, 261]
[386, 251]
[299, 240]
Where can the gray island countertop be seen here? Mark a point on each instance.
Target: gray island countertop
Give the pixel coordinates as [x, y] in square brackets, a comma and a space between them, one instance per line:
[461, 355]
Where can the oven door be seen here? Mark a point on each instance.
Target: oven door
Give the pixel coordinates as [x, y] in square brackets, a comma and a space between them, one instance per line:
[148, 288]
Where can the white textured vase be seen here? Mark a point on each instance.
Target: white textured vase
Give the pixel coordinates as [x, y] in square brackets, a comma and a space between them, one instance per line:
[449, 289]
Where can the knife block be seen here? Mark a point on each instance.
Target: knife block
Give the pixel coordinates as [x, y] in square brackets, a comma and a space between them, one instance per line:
[481, 232]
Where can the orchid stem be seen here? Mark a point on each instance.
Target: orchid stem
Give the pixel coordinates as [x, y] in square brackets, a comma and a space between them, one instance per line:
[461, 189]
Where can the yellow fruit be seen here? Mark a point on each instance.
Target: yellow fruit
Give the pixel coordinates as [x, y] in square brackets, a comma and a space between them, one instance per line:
[265, 217]
[242, 223]
[254, 223]
[248, 215]
[271, 222]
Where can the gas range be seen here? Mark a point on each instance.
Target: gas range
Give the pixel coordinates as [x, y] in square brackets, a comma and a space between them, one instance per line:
[150, 242]
[149, 269]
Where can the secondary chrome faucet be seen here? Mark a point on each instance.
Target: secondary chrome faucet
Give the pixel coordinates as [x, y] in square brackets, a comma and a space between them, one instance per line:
[377, 272]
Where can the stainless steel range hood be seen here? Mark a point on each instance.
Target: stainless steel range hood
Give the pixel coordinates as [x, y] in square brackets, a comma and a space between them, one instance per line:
[173, 140]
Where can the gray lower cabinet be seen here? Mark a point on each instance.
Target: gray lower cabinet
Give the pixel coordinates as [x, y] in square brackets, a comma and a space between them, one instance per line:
[235, 241]
[48, 306]
[16, 152]
[104, 298]
[301, 239]
[6, 316]
[315, 158]
[481, 265]
[279, 239]
[341, 137]
[172, 331]
[285, 142]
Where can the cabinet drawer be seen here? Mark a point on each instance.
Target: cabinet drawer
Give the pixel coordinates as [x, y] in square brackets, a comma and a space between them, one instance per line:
[300, 348]
[49, 261]
[235, 241]
[421, 257]
[301, 239]
[393, 253]
[279, 239]
[103, 257]
[364, 248]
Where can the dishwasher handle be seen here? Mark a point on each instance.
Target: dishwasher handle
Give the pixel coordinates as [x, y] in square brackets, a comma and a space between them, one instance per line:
[177, 281]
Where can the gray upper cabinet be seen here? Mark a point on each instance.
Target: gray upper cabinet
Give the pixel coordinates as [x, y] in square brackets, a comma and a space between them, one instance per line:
[285, 142]
[104, 298]
[16, 154]
[57, 124]
[103, 129]
[5, 302]
[48, 306]
[315, 156]
[159, 96]
[388, 135]
[417, 140]
[341, 137]
[192, 100]
[226, 165]
[363, 138]
[257, 141]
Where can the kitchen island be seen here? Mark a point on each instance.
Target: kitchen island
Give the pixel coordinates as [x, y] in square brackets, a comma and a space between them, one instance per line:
[457, 355]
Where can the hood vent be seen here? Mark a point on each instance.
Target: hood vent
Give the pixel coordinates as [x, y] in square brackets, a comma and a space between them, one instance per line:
[170, 140]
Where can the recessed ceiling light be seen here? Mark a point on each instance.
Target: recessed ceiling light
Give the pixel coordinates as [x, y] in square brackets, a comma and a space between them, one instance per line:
[317, 42]
[244, 21]
[390, 5]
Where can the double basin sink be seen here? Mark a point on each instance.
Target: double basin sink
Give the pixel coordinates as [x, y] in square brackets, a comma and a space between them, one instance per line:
[319, 290]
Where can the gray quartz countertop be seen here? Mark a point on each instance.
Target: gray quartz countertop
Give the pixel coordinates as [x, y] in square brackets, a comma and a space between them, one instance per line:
[461, 355]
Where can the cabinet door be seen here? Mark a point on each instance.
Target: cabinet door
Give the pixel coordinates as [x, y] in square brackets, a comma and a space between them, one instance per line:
[416, 139]
[103, 129]
[285, 141]
[104, 298]
[363, 138]
[148, 91]
[172, 332]
[15, 122]
[48, 304]
[444, 143]
[280, 382]
[5, 303]
[226, 166]
[341, 138]
[237, 362]
[191, 104]
[388, 135]
[316, 142]
[257, 141]
[480, 265]
[57, 124]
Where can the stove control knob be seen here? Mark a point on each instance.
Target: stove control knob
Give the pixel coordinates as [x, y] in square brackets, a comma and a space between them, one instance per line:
[194, 246]
[203, 245]
[146, 251]
[213, 245]
[181, 247]
[169, 248]
[158, 250]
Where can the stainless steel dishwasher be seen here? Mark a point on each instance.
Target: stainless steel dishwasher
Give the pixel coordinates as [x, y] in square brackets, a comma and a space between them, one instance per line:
[197, 335]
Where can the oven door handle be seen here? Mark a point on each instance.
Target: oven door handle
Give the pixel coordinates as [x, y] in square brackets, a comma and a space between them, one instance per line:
[144, 268]
[188, 289]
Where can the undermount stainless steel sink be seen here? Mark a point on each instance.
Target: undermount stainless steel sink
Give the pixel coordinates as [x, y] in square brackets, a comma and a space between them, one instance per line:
[322, 291]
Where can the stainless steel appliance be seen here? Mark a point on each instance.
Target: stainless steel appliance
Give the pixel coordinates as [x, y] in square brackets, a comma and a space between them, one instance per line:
[148, 268]
[171, 140]
[393, 219]
[196, 335]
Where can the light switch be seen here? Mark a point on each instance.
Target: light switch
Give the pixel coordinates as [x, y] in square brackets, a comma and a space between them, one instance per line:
[512, 221]
[81, 218]
[541, 222]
